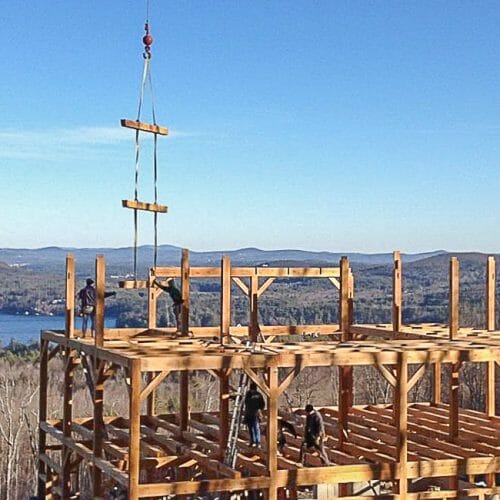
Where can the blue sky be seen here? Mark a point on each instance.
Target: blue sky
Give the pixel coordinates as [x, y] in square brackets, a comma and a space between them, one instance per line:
[321, 125]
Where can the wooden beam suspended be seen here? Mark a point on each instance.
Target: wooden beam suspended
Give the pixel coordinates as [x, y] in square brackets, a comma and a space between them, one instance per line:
[144, 206]
[144, 127]
[133, 284]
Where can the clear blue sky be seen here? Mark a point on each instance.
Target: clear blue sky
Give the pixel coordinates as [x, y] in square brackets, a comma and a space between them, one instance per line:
[325, 125]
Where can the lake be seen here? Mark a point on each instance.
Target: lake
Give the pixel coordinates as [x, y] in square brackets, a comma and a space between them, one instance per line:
[26, 329]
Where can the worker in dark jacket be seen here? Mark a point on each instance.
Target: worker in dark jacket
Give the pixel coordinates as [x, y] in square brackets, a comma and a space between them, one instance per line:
[87, 298]
[176, 297]
[314, 435]
[254, 404]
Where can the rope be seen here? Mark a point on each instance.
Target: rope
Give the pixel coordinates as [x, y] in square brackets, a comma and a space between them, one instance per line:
[146, 79]
[145, 73]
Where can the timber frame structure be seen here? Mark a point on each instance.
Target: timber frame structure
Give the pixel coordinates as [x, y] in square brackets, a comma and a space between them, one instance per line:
[156, 455]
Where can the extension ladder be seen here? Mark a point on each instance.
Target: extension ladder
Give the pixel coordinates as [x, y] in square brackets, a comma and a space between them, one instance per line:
[234, 428]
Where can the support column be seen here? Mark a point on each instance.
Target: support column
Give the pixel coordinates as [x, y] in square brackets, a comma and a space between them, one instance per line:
[490, 294]
[69, 359]
[98, 426]
[69, 366]
[454, 298]
[135, 429]
[184, 399]
[344, 299]
[253, 297]
[223, 410]
[454, 401]
[225, 310]
[436, 390]
[345, 398]
[185, 290]
[397, 293]
[401, 421]
[490, 389]
[70, 296]
[100, 280]
[272, 430]
[152, 298]
[42, 412]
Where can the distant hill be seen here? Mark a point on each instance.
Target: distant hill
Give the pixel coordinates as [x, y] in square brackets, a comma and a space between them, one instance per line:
[120, 260]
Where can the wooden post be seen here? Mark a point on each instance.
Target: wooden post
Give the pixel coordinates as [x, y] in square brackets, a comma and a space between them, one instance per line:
[351, 297]
[69, 365]
[225, 310]
[490, 389]
[152, 298]
[254, 318]
[490, 294]
[344, 299]
[223, 411]
[135, 429]
[100, 280]
[454, 298]
[185, 289]
[345, 398]
[151, 399]
[454, 401]
[401, 421]
[70, 296]
[272, 430]
[397, 293]
[436, 390]
[42, 416]
[98, 424]
[68, 375]
[184, 399]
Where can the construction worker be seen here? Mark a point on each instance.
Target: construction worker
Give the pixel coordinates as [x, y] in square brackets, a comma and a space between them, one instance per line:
[176, 297]
[254, 404]
[314, 435]
[87, 298]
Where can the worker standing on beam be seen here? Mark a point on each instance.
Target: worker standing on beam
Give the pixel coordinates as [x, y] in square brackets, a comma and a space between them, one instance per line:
[176, 297]
[254, 404]
[87, 298]
[314, 435]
